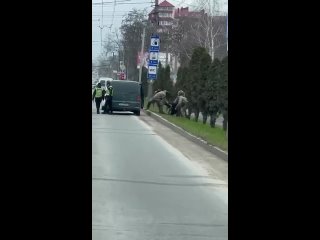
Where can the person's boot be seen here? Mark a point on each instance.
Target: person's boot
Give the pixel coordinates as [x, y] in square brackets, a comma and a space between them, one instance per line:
[105, 110]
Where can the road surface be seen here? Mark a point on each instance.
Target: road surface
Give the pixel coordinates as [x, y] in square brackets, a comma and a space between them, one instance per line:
[145, 187]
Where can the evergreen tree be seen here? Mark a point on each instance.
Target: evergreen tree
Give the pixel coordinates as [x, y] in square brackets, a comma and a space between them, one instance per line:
[211, 91]
[168, 84]
[199, 66]
[223, 91]
[158, 82]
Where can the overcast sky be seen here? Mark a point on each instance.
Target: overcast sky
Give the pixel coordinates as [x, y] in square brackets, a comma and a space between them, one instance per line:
[121, 8]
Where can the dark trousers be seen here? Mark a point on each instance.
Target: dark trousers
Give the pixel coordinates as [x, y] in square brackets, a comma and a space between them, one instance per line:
[109, 104]
[98, 102]
[142, 102]
[152, 101]
[173, 109]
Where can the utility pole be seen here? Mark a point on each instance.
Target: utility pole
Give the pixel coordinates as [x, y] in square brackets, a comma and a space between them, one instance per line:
[101, 22]
[156, 5]
[141, 53]
[119, 59]
[166, 54]
[101, 26]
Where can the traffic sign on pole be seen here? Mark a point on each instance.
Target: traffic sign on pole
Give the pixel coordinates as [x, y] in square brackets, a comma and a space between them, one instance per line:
[155, 43]
[152, 72]
[153, 57]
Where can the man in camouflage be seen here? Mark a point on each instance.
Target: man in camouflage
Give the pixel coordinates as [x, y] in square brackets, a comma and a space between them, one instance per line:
[180, 104]
[160, 99]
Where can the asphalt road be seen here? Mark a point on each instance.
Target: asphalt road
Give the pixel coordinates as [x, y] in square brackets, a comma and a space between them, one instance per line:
[145, 188]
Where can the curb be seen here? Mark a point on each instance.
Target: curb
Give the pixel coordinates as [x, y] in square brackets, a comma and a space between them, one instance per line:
[211, 148]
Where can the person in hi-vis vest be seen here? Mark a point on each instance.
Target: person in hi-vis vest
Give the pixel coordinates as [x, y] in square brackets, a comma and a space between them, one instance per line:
[98, 96]
[109, 94]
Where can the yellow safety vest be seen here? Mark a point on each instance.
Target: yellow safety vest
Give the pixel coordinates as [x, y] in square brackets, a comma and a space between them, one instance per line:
[109, 91]
[98, 92]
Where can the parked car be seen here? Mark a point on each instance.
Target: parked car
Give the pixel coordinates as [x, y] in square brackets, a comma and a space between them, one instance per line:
[126, 96]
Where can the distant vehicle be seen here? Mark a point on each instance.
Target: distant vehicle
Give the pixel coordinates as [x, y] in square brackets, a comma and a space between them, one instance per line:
[126, 96]
[94, 84]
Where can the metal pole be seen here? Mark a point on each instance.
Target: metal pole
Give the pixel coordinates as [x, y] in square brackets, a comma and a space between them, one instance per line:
[150, 89]
[102, 12]
[101, 22]
[119, 70]
[141, 54]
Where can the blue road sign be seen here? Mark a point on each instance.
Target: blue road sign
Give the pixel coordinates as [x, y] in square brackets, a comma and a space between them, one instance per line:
[152, 76]
[154, 48]
[153, 57]
[152, 72]
[155, 43]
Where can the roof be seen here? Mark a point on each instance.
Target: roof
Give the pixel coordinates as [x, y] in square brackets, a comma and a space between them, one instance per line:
[165, 4]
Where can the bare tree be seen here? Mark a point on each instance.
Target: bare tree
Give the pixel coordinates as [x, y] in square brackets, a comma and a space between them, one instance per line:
[211, 30]
[208, 31]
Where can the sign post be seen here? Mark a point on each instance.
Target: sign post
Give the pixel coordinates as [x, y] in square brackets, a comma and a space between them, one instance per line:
[153, 57]
[153, 61]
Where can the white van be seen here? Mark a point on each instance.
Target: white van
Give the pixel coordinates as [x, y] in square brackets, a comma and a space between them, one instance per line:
[103, 81]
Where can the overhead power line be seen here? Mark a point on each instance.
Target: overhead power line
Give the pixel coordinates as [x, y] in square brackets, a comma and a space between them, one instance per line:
[117, 1]
[123, 3]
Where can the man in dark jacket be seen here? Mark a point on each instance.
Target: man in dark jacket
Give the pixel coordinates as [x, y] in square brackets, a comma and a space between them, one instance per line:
[109, 95]
[141, 96]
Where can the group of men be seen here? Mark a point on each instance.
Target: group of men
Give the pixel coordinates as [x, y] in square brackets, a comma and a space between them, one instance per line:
[177, 107]
[100, 94]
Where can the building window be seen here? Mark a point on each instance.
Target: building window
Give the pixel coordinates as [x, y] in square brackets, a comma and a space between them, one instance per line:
[165, 14]
[165, 23]
[166, 8]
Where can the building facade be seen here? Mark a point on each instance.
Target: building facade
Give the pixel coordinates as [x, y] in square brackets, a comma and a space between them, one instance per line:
[165, 16]
[170, 18]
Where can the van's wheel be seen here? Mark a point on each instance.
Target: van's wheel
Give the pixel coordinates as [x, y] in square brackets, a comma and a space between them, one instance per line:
[137, 113]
